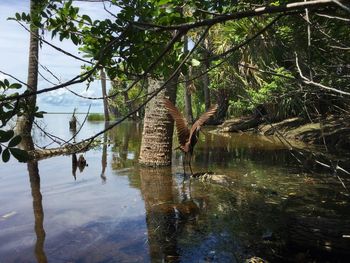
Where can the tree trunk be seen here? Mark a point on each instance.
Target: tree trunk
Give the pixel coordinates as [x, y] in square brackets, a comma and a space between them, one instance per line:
[223, 105]
[206, 81]
[188, 103]
[104, 94]
[25, 123]
[129, 104]
[157, 135]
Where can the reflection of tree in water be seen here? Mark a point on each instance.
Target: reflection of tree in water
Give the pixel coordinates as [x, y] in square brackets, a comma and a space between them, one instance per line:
[237, 149]
[126, 144]
[167, 214]
[38, 211]
[104, 155]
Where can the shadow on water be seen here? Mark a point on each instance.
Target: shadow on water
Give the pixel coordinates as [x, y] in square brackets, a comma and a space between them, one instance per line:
[266, 205]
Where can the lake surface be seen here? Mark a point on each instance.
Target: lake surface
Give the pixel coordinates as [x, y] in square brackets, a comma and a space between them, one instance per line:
[265, 205]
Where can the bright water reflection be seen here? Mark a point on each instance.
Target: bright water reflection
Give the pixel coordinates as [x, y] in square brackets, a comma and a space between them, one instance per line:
[116, 211]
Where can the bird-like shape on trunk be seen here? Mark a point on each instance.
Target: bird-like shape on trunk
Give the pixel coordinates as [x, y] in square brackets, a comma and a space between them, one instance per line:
[187, 137]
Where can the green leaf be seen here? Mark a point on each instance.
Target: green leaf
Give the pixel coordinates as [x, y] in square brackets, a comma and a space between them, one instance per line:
[6, 135]
[15, 86]
[7, 83]
[75, 39]
[6, 155]
[163, 2]
[15, 141]
[195, 62]
[18, 16]
[20, 155]
[87, 18]
[0, 149]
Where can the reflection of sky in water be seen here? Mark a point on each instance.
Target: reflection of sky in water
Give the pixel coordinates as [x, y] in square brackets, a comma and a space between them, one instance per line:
[130, 156]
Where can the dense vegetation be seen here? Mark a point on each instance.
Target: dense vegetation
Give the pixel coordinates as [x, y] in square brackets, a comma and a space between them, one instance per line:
[291, 60]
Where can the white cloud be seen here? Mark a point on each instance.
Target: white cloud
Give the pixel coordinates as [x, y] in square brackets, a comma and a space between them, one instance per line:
[14, 57]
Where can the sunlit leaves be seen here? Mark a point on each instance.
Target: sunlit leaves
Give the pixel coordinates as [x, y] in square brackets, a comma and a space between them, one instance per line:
[195, 62]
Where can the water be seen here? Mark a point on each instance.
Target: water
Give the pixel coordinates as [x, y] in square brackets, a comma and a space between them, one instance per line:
[115, 211]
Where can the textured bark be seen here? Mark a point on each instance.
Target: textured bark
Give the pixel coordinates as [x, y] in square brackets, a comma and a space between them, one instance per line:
[223, 104]
[25, 123]
[156, 144]
[38, 154]
[104, 94]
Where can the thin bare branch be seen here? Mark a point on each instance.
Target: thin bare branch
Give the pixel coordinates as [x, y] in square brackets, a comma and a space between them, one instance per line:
[54, 46]
[339, 3]
[78, 79]
[310, 82]
[333, 17]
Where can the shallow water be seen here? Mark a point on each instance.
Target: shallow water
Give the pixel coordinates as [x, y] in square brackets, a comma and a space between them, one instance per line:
[115, 211]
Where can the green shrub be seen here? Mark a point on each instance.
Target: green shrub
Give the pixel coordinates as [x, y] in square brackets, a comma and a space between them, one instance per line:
[96, 117]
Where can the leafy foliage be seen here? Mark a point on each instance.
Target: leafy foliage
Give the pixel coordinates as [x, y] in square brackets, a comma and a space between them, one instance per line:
[8, 110]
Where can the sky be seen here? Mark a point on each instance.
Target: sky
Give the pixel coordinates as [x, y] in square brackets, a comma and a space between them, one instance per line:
[14, 45]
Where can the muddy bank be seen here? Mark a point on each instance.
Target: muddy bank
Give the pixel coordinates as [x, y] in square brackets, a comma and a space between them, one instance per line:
[333, 131]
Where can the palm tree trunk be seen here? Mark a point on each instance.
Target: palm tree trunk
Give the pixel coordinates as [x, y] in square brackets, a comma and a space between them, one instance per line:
[156, 144]
[25, 123]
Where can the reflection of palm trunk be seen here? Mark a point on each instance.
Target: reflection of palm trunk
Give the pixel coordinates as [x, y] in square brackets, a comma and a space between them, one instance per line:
[157, 191]
[38, 210]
